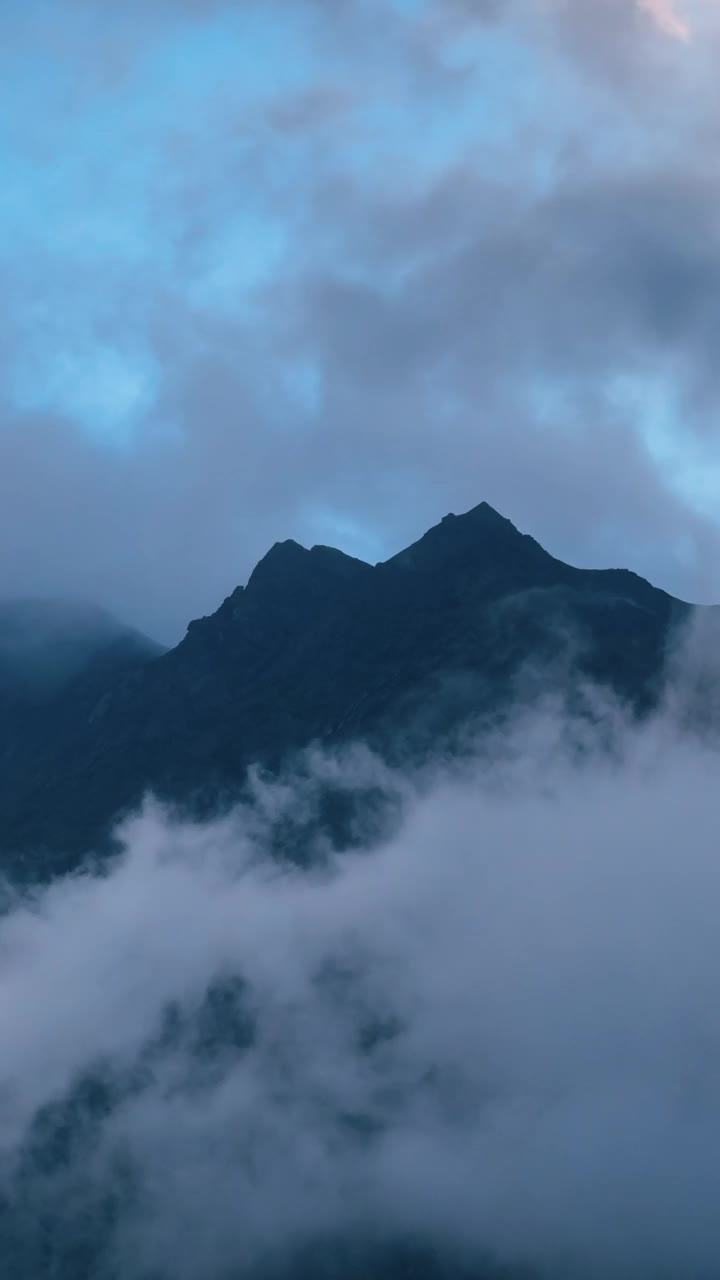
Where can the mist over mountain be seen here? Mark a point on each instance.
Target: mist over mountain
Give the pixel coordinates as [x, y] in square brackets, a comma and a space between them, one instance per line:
[404, 962]
[479, 1046]
[318, 647]
[365, 927]
[45, 645]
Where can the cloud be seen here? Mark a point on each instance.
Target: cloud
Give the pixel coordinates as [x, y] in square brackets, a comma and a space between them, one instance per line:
[491, 1034]
[311, 109]
[267, 275]
[667, 17]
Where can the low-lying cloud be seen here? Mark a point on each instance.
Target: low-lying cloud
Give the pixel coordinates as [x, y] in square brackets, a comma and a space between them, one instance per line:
[492, 1037]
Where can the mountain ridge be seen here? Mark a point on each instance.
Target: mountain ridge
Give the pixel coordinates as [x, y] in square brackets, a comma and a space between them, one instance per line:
[319, 646]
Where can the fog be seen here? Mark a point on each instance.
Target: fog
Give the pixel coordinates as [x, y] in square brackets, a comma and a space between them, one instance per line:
[493, 1033]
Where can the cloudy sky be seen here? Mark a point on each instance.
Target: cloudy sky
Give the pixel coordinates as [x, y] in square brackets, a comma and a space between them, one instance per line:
[327, 269]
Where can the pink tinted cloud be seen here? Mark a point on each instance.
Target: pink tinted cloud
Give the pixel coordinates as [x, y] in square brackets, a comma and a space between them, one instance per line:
[667, 17]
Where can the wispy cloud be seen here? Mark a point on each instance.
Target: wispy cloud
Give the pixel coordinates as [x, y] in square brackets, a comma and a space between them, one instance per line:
[667, 17]
[496, 1032]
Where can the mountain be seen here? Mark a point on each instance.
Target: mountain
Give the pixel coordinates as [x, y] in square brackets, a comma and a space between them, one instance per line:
[47, 644]
[317, 646]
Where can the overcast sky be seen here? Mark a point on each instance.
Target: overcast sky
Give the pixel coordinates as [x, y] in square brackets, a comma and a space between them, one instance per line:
[328, 269]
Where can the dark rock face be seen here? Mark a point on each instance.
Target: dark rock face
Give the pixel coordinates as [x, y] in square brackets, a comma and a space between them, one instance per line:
[319, 647]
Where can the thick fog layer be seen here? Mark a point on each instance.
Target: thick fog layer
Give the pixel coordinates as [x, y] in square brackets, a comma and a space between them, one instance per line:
[496, 1034]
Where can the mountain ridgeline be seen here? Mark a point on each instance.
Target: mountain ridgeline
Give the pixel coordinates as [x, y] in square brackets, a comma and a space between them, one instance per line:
[318, 647]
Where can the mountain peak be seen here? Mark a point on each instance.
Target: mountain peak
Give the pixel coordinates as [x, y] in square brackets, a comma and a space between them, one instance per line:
[479, 536]
[288, 565]
[281, 567]
[483, 511]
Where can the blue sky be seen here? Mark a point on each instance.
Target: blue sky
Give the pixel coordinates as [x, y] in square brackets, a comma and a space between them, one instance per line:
[328, 271]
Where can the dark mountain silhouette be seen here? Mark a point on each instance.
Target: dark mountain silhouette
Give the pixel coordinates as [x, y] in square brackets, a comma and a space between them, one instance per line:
[46, 645]
[317, 647]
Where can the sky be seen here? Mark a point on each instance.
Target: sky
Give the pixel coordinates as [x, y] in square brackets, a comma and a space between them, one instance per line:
[329, 269]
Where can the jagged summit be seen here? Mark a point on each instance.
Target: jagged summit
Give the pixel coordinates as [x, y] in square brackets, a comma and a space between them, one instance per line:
[338, 562]
[484, 513]
[480, 536]
[283, 559]
[291, 578]
[321, 647]
[480, 532]
[288, 563]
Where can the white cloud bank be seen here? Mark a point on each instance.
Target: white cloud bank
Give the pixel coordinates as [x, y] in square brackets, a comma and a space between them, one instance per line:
[497, 1034]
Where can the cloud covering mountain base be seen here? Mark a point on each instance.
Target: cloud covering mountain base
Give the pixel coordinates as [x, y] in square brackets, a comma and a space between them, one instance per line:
[490, 1039]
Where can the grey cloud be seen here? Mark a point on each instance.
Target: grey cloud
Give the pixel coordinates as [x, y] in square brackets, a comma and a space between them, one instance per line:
[427, 338]
[494, 1033]
[612, 277]
[618, 42]
[605, 271]
[311, 109]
